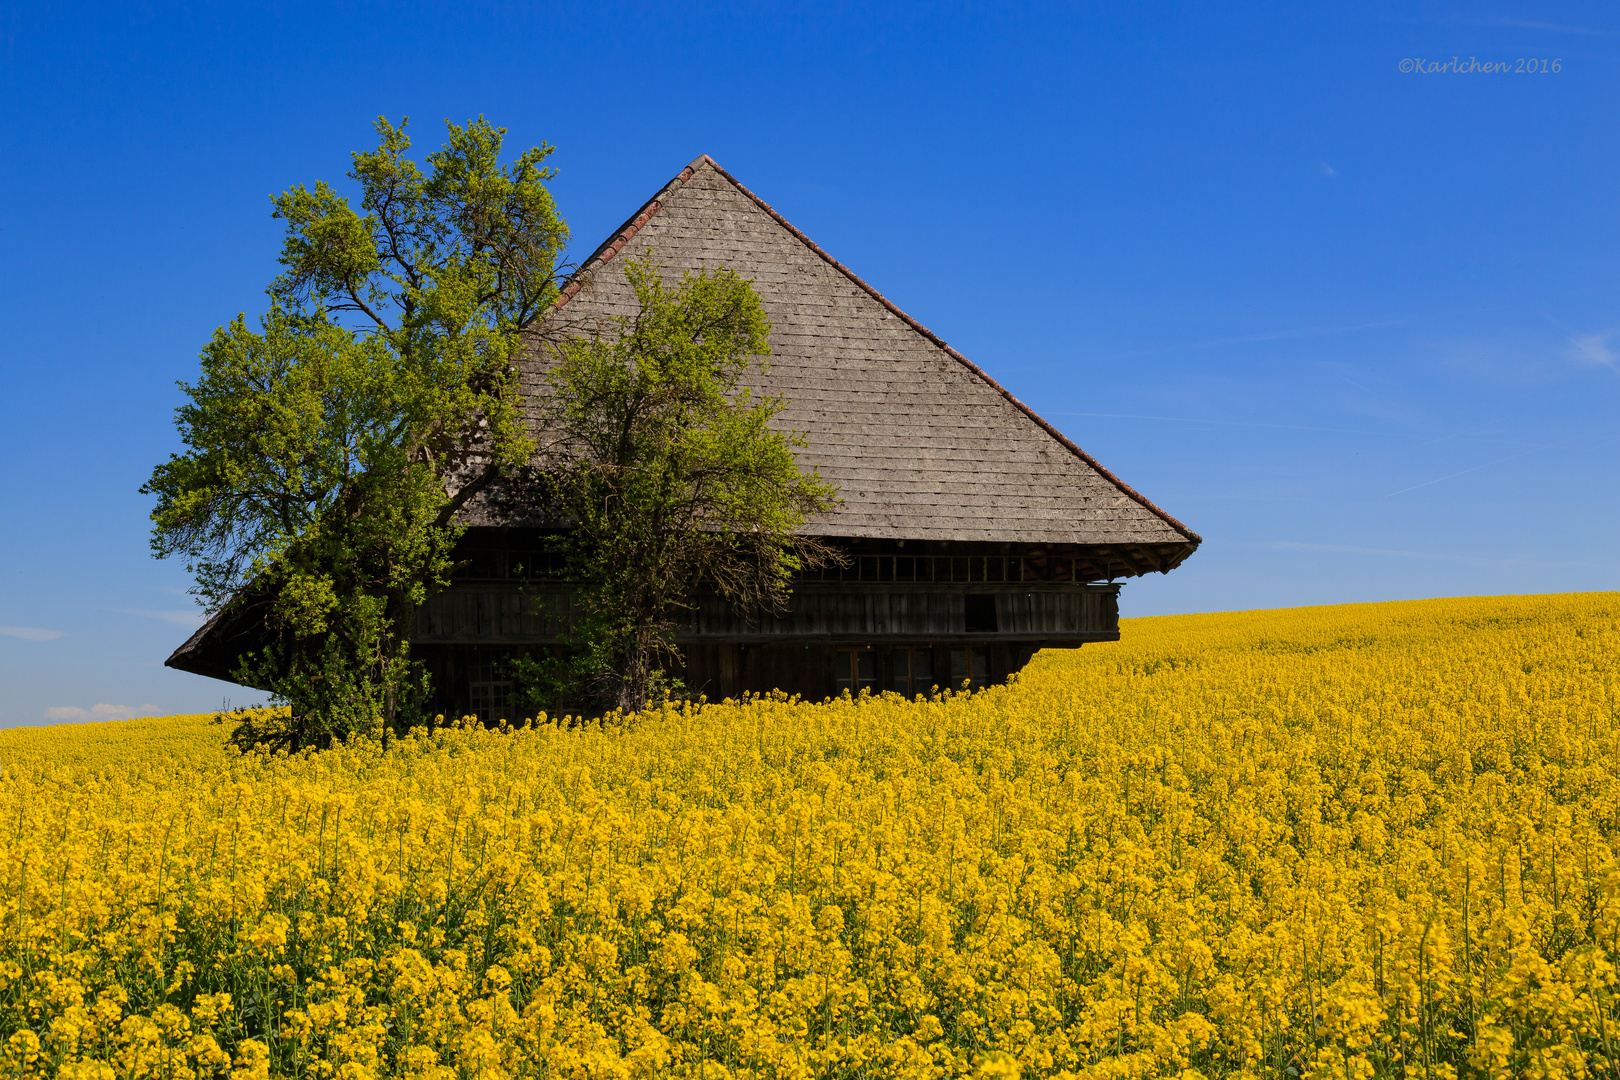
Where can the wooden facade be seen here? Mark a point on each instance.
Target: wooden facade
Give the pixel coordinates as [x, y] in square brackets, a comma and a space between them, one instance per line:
[910, 621]
[976, 532]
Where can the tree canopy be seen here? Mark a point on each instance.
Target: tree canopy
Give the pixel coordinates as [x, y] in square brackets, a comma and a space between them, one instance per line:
[673, 476]
[329, 448]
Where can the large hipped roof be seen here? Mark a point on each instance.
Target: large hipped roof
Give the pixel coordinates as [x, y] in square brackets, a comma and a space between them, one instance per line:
[921, 443]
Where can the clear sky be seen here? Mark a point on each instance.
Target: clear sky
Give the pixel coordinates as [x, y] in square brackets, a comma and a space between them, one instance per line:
[1358, 326]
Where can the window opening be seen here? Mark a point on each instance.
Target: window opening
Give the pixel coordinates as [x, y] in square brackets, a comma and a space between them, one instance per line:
[489, 700]
[911, 671]
[971, 665]
[855, 670]
[979, 613]
[922, 671]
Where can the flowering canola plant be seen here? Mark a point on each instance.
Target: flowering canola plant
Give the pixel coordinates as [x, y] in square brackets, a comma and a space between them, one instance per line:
[1369, 840]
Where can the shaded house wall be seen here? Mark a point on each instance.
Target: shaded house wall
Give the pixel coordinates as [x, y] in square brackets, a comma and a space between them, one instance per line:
[898, 617]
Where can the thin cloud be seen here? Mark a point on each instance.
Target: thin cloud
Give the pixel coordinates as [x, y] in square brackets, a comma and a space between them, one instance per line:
[1390, 553]
[1594, 350]
[1566, 443]
[1327, 170]
[31, 633]
[1527, 24]
[102, 711]
[192, 619]
[1448, 476]
[1272, 335]
[1555, 28]
[1228, 423]
[1512, 361]
[1487, 429]
[1216, 343]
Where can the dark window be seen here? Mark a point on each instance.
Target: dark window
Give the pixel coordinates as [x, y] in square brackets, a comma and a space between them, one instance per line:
[922, 670]
[855, 670]
[911, 671]
[488, 700]
[979, 614]
[971, 665]
[483, 563]
[904, 568]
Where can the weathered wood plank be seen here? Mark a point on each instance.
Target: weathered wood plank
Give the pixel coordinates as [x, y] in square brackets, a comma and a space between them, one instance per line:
[493, 614]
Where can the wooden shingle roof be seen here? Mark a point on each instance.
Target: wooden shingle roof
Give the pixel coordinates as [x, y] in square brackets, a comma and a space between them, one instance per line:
[921, 443]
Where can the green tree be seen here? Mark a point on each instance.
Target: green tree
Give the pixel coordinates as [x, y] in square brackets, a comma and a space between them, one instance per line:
[330, 449]
[672, 475]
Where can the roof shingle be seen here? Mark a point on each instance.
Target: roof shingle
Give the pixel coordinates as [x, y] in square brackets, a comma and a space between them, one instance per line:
[921, 443]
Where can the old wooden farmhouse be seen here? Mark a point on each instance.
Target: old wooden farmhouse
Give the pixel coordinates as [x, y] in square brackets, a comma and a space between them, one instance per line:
[977, 533]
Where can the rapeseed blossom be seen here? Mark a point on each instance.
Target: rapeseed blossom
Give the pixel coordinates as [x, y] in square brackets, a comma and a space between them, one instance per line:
[1370, 840]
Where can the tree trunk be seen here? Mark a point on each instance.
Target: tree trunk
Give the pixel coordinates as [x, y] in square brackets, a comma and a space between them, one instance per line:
[640, 668]
[396, 656]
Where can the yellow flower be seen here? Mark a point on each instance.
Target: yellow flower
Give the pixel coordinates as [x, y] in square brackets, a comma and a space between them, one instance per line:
[1356, 841]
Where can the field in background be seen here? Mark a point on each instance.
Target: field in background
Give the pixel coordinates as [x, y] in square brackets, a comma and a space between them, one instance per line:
[1349, 841]
[117, 744]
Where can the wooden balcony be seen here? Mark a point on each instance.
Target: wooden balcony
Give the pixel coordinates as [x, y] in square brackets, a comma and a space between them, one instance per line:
[1054, 614]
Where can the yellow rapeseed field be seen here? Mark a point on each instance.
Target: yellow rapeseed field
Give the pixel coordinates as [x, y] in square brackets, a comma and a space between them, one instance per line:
[1371, 840]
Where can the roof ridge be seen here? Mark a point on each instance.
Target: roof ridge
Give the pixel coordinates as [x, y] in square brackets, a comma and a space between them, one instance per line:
[623, 235]
[626, 232]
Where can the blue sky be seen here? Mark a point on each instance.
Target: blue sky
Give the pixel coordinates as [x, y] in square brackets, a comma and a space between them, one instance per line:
[1358, 327]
